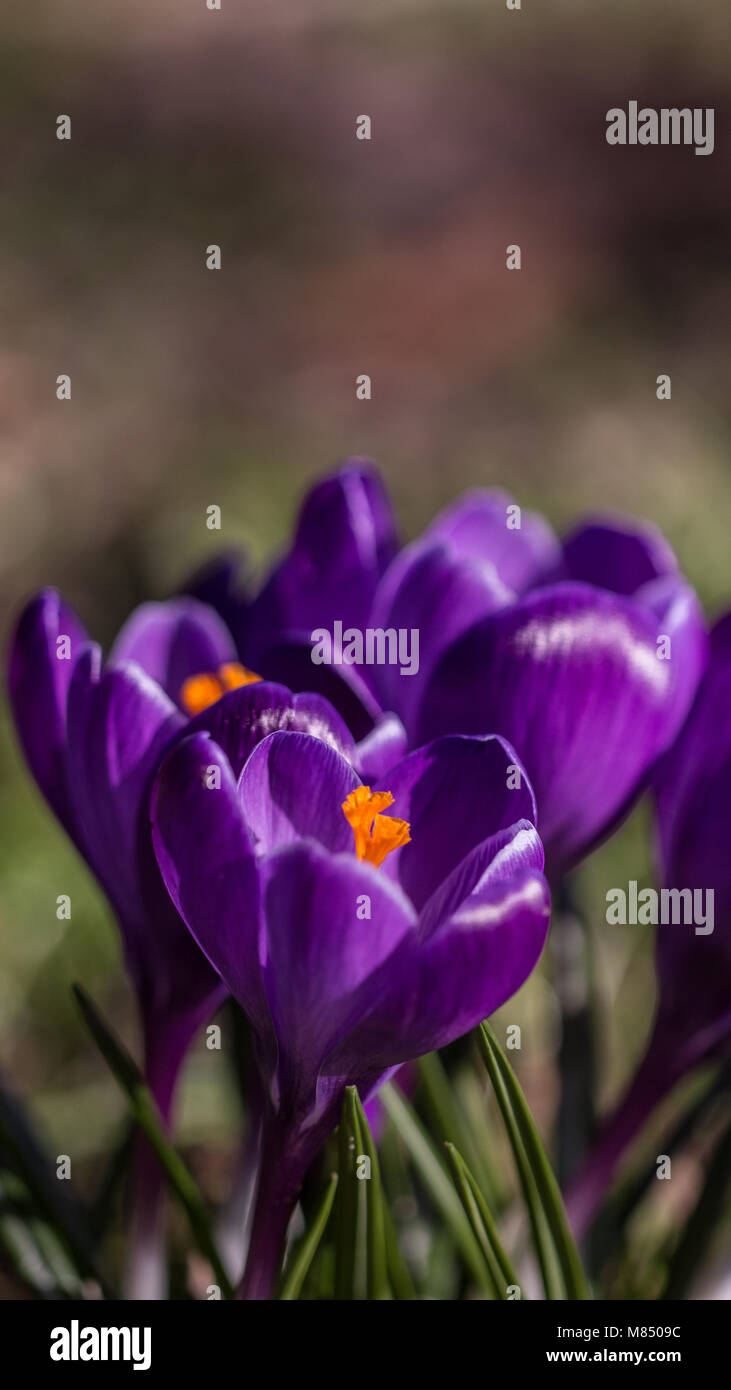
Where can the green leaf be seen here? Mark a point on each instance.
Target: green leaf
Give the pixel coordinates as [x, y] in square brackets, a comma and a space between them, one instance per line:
[480, 1218]
[399, 1277]
[102, 1206]
[346, 1233]
[436, 1179]
[561, 1268]
[446, 1116]
[38, 1257]
[297, 1273]
[26, 1156]
[362, 1216]
[149, 1120]
[378, 1286]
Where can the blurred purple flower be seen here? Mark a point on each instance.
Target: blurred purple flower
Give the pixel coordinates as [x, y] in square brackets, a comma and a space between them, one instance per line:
[346, 970]
[693, 1020]
[586, 655]
[93, 735]
[344, 539]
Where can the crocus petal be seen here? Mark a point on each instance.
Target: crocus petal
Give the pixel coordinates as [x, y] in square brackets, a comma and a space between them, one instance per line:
[619, 554]
[509, 853]
[219, 585]
[345, 538]
[293, 787]
[174, 640]
[435, 592]
[384, 746]
[322, 955]
[40, 668]
[289, 661]
[431, 992]
[693, 795]
[682, 625]
[482, 525]
[243, 717]
[572, 676]
[455, 792]
[206, 859]
[119, 723]
[703, 746]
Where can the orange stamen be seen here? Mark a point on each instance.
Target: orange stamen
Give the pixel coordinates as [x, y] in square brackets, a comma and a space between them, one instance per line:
[375, 835]
[198, 692]
[232, 675]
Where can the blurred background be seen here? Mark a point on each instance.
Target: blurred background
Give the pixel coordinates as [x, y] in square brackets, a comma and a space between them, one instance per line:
[339, 257]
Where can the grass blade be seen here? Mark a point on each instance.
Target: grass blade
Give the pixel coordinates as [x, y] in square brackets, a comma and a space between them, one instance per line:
[446, 1117]
[26, 1156]
[436, 1179]
[347, 1234]
[398, 1271]
[482, 1223]
[362, 1238]
[299, 1269]
[561, 1267]
[377, 1279]
[149, 1120]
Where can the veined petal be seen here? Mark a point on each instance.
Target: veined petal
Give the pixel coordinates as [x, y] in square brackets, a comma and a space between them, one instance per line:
[681, 621]
[243, 717]
[289, 661]
[206, 859]
[119, 724]
[434, 591]
[483, 525]
[344, 539]
[617, 553]
[332, 925]
[431, 992]
[292, 788]
[574, 678]
[173, 641]
[455, 792]
[384, 746]
[693, 797]
[506, 855]
[40, 666]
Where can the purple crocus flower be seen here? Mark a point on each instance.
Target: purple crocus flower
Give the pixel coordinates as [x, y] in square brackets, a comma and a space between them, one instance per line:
[344, 539]
[585, 654]
[353, 939]
[693, 1018]
[93, 735]
[586, 657]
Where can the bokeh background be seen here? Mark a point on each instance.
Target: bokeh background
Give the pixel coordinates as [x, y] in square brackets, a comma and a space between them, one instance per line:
[340, 257]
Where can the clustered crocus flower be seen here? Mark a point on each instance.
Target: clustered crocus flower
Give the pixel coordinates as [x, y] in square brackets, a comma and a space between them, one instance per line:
[692, 792]
[585, 654]
[93, 735]
[356, 852]
[354, 939]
